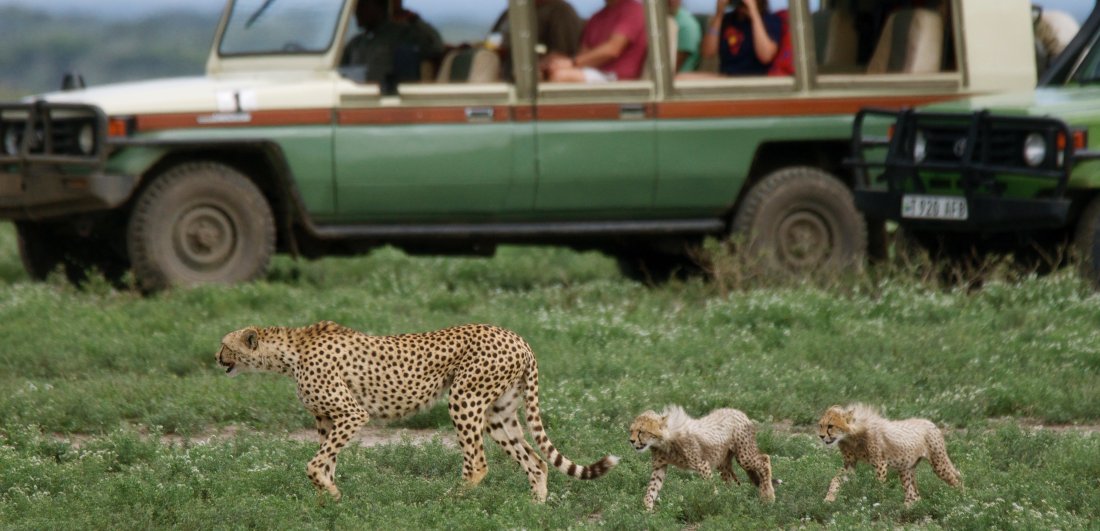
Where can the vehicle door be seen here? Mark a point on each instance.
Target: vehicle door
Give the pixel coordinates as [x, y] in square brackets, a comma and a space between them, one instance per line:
[596, 142]
[425, 128]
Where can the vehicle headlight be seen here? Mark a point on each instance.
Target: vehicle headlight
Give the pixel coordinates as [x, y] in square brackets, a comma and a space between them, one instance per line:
[11, 140]
[1035, 149]
[85, 139]
[920, 147]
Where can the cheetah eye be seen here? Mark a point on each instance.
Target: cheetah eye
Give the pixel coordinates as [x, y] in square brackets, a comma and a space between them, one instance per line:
[829, 427]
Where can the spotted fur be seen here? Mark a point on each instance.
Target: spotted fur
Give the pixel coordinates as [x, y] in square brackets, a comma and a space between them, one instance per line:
[713, 441]
[864, 435]
[346, 377]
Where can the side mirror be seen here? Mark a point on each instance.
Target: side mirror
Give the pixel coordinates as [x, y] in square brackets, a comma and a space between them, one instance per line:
[72, 80]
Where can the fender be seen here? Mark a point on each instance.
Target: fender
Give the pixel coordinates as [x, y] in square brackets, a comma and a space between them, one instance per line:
[141, 157]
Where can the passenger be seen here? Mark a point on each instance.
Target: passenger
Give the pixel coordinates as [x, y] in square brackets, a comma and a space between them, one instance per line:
[613, 47]
[559, 27]
[391, 48]
[688, 37]
[746, 39]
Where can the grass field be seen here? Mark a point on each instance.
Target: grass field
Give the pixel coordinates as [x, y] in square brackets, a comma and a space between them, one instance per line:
[109, 397]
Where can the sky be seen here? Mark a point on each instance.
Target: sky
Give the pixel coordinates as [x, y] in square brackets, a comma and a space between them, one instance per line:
[475, 9]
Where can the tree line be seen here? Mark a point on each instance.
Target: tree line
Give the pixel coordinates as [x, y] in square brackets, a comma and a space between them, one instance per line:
[38, 48]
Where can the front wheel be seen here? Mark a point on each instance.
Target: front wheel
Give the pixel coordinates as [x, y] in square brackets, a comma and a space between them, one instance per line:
[802, 219]
[200, 223]
[1087, 242]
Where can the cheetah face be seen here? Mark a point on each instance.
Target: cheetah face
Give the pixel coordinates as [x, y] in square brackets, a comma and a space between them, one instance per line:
[236, 349]
[830, 435]
[646, 431]
[833, 426]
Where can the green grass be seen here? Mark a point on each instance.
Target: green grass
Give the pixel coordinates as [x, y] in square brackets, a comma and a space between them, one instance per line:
[112, 366]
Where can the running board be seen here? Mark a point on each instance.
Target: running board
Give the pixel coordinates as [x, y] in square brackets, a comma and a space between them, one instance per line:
[522, 230]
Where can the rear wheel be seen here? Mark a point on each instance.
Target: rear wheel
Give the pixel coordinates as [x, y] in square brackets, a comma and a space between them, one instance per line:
[802, 219]
[1087, 242]
[200, 223]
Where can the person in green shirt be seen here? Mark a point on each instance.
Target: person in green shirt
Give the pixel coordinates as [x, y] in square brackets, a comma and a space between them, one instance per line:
[688, 37]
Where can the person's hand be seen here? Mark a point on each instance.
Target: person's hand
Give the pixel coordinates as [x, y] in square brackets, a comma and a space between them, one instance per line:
[721, 6]
[556, 61]
[753, 9]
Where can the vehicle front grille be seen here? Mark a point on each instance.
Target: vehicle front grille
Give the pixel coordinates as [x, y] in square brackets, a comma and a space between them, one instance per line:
[995, 147]
[63, 138]
[40, 131]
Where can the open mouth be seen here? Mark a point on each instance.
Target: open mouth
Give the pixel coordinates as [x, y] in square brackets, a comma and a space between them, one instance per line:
[230, 368]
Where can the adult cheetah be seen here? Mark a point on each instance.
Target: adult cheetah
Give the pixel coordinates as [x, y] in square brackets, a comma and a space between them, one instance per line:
[346, 377]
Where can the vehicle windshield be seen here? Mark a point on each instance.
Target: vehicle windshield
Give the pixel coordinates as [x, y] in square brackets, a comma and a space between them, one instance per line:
[280, 27]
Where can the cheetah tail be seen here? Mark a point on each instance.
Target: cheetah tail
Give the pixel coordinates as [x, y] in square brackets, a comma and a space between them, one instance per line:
[553, 456]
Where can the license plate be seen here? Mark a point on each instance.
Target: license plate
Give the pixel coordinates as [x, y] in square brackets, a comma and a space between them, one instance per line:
[934, 207]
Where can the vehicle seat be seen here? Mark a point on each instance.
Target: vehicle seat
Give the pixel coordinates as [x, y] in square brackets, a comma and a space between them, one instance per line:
[836, 40]
[911, 43]
[469, 65]
[1054, 30]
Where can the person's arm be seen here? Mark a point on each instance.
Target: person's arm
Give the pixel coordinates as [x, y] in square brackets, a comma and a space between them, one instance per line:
[765, 47]
[595, 57]
[709, 45]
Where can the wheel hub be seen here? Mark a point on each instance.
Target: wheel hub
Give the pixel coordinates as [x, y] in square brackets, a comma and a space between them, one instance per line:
[804, 240]
[205, 236]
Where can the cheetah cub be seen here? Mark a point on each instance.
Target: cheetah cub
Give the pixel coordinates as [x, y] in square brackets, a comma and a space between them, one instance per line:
[674, 438]
[346, 377]
[864, 435]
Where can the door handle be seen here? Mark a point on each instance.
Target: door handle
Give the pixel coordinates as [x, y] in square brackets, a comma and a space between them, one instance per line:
[632, 111]
[479, 114]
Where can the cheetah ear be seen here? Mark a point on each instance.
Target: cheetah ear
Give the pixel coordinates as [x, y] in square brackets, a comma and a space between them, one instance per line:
[251, 338]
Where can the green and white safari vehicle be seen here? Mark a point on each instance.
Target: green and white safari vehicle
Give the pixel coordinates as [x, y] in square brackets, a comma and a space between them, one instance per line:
[1009, 173]
[282, 148]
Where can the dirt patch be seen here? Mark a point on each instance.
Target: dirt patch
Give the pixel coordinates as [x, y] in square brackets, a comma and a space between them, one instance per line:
[377, 435]
[367, 437]
[788, 427]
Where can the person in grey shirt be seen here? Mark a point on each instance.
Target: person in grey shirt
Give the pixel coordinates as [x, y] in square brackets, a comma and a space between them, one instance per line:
[391, 47]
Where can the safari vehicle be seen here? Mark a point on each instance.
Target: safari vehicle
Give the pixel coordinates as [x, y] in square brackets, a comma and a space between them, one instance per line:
[282, 147]
[1010, 173]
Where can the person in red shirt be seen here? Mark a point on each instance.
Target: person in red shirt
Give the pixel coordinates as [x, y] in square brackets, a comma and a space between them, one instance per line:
[613, 47]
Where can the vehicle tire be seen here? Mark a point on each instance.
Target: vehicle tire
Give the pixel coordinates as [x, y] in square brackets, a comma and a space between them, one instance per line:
[200, 223]
[802, 219]
[1086, 242]
[43, 248]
